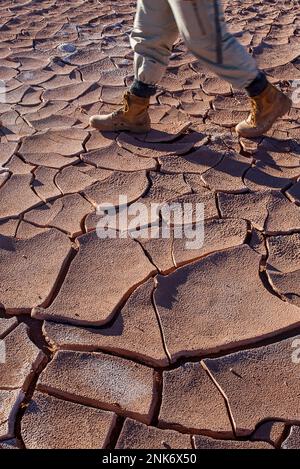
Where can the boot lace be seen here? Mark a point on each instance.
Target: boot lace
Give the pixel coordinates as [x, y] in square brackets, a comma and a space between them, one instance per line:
[124, 108]
[255, 111]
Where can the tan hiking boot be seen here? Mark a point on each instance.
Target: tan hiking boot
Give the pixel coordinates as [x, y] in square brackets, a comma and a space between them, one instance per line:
[267, 107]
[133, 116]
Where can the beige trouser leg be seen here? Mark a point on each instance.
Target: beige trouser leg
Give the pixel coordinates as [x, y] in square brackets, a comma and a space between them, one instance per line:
[201, 24]
[152, 39]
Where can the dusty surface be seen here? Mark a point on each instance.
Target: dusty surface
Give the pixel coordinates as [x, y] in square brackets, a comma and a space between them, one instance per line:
[144, 343]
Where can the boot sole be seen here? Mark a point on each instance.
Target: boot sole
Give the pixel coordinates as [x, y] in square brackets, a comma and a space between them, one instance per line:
[285, 109]
[136, 130]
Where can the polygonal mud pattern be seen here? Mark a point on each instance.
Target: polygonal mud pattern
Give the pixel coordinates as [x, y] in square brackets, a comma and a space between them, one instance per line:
[133, 333]
[123, 316]
[246, 377]
[96, 284]
[104, 381]
[204, 442]
[204, 309]
[139, 436]
[283, 266]
[63, 422]
[180, 408]
[27, 280]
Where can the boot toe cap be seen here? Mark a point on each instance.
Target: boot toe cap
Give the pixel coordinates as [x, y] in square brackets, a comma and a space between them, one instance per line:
[243, 129]
[94, 121]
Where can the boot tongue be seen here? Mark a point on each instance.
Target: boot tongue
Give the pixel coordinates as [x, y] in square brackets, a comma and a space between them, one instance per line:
[126, 101]
[125, 107]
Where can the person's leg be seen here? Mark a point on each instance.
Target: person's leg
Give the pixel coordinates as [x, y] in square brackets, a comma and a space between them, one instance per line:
[203, 27]
[152, 38]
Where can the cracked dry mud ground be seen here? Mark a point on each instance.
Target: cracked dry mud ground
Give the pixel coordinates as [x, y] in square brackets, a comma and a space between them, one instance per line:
[127, 343]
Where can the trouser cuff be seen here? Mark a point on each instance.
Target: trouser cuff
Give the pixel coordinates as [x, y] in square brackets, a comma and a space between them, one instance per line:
[143, 90]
